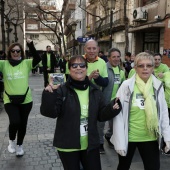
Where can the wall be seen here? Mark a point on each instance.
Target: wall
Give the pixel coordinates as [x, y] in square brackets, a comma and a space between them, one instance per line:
[167, 41]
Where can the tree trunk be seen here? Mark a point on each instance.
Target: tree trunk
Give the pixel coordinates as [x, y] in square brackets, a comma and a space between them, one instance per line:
[2, 25]
[126, 22]
[15, 33]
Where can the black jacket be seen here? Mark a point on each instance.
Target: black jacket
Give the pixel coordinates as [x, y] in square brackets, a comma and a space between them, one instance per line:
[64, 104]
[52, 60]
[35, 55]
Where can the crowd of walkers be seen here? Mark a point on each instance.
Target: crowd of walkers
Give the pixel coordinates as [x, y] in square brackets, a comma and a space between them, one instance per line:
[133, 96]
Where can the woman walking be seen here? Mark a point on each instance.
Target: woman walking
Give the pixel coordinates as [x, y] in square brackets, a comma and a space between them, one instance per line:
[17, 94]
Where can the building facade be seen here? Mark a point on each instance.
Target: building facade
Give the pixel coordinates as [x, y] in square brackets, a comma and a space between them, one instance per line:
[41, 24]
[136, 26]
[151, 27]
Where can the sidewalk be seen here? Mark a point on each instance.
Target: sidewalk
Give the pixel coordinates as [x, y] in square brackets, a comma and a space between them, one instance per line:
[39, 152]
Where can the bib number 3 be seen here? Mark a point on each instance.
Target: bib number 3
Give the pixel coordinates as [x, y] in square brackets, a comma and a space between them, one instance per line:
[141, 103]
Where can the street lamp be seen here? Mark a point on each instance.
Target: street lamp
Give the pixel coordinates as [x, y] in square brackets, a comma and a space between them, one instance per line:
[73, 27]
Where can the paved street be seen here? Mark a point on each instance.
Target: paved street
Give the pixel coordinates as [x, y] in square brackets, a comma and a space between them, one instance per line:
[39, 152]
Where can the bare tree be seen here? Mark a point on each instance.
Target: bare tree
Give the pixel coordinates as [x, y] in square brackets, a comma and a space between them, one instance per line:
[104, 4]
[14, 15]
[126, 22]
[101, 19]
[2, 24]
[51, 19]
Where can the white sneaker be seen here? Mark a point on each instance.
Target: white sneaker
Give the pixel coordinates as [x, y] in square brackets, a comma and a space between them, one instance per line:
[11, 146]
[19, 150]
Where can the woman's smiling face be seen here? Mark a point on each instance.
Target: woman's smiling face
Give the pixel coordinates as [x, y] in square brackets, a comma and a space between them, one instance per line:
[15, 53]
[78, 70]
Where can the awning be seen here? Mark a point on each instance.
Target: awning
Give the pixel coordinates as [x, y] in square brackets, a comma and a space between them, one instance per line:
[148, 26]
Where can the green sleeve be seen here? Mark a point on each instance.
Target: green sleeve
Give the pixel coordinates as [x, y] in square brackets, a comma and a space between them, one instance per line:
[131, 73]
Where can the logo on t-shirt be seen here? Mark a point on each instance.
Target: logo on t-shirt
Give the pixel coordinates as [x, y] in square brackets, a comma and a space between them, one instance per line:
[17, 75]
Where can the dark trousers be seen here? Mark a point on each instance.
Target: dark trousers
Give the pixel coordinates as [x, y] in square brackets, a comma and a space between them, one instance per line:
[18, 117]
[90, 160]
[46, 78]
[149, 152]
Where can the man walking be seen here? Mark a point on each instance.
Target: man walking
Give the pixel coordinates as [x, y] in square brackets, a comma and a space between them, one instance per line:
[116, 77]
[49, 63]
[97, 73]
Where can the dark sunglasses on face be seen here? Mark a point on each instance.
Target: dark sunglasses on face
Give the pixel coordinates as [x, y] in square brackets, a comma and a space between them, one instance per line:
[81, 65]
[13, 51]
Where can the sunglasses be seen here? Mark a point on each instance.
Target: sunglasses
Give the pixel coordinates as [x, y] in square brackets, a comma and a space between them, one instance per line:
[145, 66]
[13, 51]
[81, 65]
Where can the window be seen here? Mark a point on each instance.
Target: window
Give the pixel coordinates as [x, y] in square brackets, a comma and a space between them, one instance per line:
[80, 24]
[34, 36]
[32, 26]
[47, 25]
[51, 36]
[47, 2]
[32, 4]
[32, 15]
[145, 2]
[151, 41]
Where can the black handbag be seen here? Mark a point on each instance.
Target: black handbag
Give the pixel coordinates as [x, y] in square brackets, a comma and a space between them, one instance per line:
[17, 99]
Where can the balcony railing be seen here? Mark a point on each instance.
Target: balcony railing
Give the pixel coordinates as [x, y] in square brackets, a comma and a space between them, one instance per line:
[118, 20]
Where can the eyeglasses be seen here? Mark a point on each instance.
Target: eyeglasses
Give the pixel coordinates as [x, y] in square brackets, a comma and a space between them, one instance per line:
[145, 66]
[81, 65]
[13, 51]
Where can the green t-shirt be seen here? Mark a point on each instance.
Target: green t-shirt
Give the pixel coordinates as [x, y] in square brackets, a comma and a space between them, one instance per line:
[16, 79]
[161, 69]
[83, 96]
[119, 77]
[100, 65]
[67, 70]
[48, 61]
[166, 80]
[131, 73]
[137, 122]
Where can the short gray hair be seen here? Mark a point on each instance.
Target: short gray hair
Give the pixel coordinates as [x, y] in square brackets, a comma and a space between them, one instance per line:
[113, 50]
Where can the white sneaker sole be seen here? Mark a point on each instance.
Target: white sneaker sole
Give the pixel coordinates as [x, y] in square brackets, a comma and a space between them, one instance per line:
[19, 155]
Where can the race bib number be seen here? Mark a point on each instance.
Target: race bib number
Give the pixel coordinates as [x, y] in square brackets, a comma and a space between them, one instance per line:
[117, 79]
[83, 127]
[140, 101]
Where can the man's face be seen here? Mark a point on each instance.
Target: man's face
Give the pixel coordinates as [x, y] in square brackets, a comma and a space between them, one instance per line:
[48, 49]
[114, 59]
[127, 58]
[158, 60]
[100, 54]
[91, 49]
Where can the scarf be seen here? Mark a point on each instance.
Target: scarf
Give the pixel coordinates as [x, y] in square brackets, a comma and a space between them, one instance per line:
[80, 85]
[15, 62]
[150, 104]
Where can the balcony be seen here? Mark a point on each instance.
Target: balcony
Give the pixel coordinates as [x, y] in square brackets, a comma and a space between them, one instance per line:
[117, 22]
